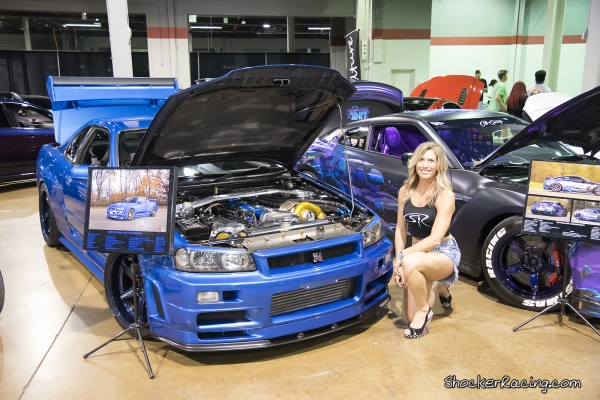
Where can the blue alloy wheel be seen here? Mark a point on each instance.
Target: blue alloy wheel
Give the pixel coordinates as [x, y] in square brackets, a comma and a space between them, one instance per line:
[523, 270]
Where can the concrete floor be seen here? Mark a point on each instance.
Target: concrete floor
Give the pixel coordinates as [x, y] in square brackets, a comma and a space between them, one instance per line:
[55, 311]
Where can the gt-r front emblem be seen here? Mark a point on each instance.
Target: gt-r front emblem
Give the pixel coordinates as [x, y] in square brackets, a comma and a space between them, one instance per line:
[317, 257]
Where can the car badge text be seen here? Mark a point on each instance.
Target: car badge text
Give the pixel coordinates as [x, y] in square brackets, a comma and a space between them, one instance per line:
[317, 257]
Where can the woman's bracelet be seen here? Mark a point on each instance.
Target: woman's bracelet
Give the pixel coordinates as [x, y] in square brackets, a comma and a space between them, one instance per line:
[400, 255]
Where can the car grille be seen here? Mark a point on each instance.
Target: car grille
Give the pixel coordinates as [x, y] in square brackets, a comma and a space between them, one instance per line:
[296, 300]
[308, 258]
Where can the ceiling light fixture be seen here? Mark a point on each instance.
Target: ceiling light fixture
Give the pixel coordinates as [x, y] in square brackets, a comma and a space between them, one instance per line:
[95, 25]
[319, 28]
[266, 26]
[243, 22]
[206, 27]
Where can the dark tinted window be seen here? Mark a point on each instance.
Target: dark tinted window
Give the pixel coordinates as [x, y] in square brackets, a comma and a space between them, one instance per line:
[29, 117]
[3, 120]
[73, 146]
[128, 144]
[355, 138]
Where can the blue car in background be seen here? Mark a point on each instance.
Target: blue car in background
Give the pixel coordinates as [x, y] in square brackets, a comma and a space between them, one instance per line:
[24, 129]
[571, 184]
[546, 207]
[588, 214]
[132, 207]
[262, 255]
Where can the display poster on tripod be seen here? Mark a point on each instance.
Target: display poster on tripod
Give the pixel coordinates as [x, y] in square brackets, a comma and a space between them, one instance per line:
[563, 200]
[130, 210]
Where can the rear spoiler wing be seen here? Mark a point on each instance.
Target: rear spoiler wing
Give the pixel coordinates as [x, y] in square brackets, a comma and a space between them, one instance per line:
[78, 100]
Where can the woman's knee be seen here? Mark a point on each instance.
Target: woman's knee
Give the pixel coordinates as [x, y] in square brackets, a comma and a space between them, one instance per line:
[410, 263]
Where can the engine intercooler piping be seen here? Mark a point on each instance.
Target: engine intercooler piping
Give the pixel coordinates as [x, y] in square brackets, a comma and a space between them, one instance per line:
[305, 205]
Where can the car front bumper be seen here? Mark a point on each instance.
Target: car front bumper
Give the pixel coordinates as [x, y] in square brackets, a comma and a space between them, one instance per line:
[113, 214]
[243, 317]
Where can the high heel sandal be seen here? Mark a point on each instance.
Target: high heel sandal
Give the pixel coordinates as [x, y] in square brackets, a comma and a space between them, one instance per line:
[415, 333]
[446, 301]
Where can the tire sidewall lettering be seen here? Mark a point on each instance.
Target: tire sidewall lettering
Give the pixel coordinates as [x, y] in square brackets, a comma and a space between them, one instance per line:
[490, 250]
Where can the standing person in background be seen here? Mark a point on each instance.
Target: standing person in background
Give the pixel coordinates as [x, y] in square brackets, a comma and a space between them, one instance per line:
[499, 95]
[485, 89]
[492, 83]
[539, 87]
[516, 100]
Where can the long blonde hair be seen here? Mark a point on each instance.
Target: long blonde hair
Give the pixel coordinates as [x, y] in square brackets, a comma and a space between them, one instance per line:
[441, 181]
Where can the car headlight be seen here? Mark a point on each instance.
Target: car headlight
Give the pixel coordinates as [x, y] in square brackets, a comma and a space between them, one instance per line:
[373, 233]
[213, 261]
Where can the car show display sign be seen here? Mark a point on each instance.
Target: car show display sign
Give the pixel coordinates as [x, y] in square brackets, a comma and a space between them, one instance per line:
[563, 200]
[130, 210]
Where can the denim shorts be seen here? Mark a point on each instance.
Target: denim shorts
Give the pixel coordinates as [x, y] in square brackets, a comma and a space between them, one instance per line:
[450, 248]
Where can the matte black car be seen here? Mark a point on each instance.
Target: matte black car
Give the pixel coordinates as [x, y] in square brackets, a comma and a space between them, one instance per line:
[489, 155]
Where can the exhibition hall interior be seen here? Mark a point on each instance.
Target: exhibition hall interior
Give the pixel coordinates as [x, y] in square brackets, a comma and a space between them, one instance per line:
[326, 199]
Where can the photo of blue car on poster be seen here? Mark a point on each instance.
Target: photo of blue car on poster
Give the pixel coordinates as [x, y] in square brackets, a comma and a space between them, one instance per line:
[129, 210]
[563, 200]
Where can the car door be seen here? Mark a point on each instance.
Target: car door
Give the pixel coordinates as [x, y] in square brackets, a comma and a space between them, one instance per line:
[76, 175]
[12, 145]
[36, 129]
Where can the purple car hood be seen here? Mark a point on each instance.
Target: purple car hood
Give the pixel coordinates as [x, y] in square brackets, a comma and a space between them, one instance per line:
[270, 113]
[575, 121]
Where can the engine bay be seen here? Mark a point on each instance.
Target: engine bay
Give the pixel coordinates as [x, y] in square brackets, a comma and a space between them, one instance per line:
[290, 211]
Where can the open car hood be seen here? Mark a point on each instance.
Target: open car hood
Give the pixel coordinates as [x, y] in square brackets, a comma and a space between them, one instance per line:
[575, 121]
[78, 100]
[464, 90]
[270, 113]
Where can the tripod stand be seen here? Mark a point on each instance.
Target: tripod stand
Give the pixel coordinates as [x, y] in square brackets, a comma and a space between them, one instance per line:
[562, 301]
[133, 327]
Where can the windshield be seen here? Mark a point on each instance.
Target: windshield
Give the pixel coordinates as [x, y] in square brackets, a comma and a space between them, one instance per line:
[471, 140]
[130, 200]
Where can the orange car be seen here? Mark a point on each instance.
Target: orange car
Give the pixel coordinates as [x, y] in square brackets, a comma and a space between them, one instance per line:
[445, 92]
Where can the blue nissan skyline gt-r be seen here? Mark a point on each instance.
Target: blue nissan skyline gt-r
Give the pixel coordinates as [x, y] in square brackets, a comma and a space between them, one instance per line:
[262, 254]
[132, 207]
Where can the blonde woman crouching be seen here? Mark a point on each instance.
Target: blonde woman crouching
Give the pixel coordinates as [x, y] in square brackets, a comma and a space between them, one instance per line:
[425, 208]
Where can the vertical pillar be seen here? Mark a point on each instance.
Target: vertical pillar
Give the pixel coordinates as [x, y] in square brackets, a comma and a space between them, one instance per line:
[364, 21]
[591, 64]
[516, 73]
[291, 41]
[555, 19]
[26, 33]
[120, 38]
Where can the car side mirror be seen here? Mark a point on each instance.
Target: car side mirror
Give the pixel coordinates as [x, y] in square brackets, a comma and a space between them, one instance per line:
[406, 158]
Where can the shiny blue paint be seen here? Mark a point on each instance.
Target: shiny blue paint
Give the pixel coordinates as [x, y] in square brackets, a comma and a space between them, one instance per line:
[176, 291]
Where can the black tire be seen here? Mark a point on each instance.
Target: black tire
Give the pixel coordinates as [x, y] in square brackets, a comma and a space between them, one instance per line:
[513, 263]
[117, 284]
[556, 187]
[47, 222]
[152, 212]
[131, 214]
[597, 190]
[1, 292]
